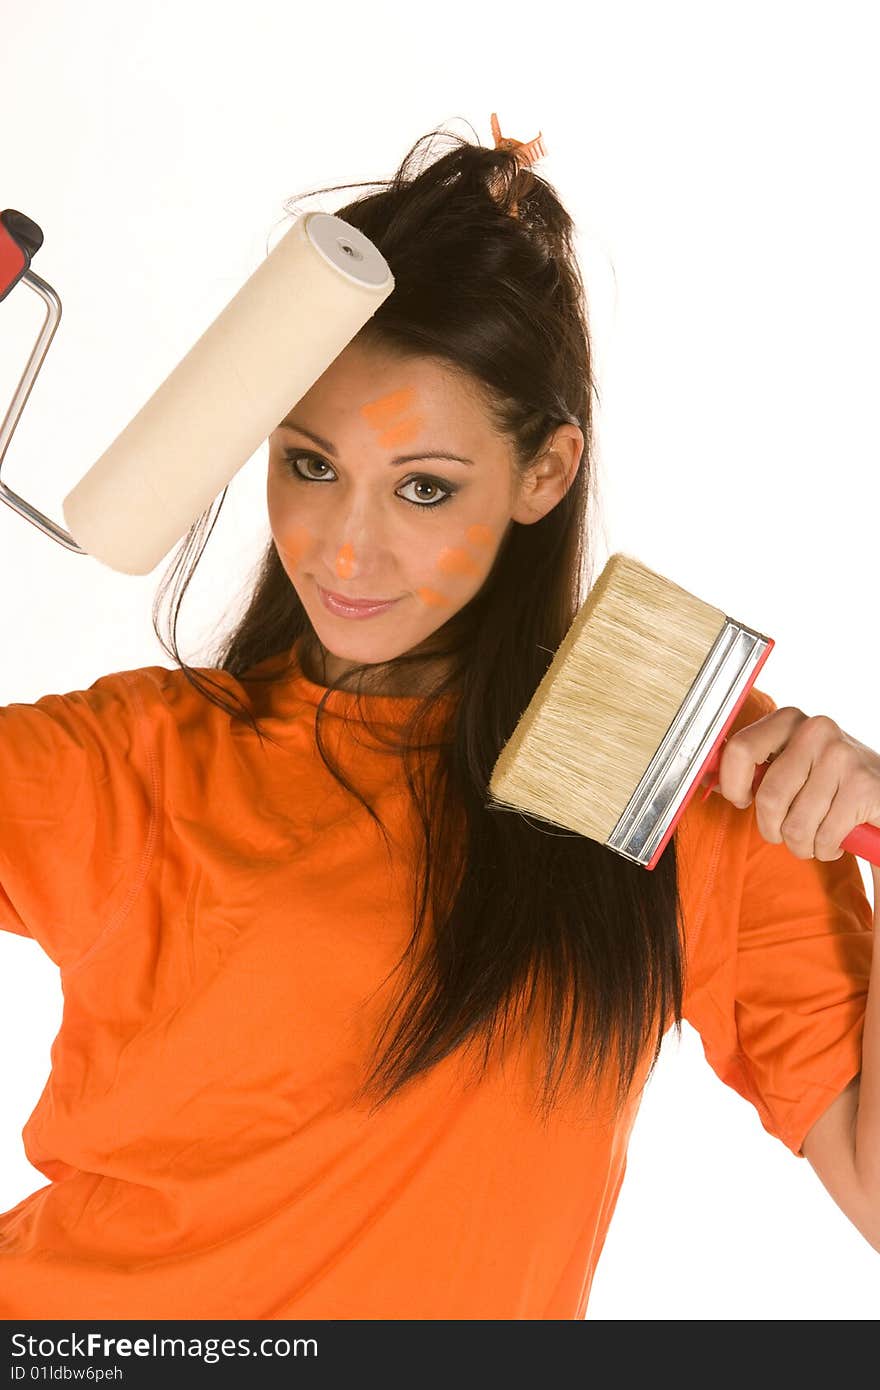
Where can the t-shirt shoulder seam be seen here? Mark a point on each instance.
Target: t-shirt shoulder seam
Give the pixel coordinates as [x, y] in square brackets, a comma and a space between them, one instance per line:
[718, 843]
[711, 874]
[131, 678]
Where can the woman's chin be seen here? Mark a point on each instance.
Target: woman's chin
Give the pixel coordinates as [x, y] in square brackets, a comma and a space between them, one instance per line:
[343, 649]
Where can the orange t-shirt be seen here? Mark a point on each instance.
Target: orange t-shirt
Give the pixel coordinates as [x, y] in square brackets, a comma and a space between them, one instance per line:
[220, 912]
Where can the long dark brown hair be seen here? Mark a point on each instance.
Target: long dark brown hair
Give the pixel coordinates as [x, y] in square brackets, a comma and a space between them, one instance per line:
[520, 910]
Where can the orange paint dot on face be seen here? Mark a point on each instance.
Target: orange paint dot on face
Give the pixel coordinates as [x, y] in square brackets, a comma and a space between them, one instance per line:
[386, 409]
[432, 597]
[391, 417]
[295, 543]
[479, 535]
[345, 561]
[456, 561]
[402, 432]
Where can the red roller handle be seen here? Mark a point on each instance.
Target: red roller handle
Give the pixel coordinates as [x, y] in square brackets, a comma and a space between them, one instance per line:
[20, 239]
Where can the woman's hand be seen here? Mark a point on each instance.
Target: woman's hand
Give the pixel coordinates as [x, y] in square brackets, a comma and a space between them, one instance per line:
[820, 784]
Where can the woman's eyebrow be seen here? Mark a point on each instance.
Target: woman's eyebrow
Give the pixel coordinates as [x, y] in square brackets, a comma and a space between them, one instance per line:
[394, 463]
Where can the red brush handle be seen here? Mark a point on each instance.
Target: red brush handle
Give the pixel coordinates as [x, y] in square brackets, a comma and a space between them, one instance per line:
[863, 840]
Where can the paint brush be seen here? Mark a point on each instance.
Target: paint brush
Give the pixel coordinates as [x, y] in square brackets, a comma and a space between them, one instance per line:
[632, 714]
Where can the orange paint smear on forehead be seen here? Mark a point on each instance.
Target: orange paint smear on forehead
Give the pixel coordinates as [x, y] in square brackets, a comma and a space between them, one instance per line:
[432, 597]
[390, 417]
[456, 561]
[345, 561]
[479, 535]
[296, 543]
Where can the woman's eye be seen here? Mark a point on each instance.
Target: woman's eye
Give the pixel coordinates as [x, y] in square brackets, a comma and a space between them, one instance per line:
[432, 485]
[434, 488]
[293, 459]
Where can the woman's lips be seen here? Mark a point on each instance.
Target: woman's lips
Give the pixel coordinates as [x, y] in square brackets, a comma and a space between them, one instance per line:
[352, 608]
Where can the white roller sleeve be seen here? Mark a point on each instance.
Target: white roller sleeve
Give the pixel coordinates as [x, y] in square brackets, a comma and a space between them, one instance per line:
[306, 301]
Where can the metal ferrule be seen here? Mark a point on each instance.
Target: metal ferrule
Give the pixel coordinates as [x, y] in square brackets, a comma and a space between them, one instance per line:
[672, 771]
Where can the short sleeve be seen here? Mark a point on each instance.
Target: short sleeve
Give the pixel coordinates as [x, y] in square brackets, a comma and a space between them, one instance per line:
[780, 968]
[76, 802]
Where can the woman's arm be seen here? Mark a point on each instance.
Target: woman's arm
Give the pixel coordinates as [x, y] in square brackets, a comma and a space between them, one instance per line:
[844, 1143]
[821, 784]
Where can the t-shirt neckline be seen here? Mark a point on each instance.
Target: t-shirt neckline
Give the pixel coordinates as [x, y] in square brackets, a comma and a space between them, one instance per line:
[388, 709]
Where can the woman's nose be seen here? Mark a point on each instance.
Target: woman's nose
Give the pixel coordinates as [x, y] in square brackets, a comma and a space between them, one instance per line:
[345, 566]
[357, 546]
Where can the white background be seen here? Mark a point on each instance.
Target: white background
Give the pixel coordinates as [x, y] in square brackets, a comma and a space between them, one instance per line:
[720, 162]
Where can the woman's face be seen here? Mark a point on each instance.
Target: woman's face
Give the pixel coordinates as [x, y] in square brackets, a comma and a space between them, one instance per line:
[365, 514]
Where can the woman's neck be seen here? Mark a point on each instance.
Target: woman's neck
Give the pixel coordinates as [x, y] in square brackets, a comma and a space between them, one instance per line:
[410, 680]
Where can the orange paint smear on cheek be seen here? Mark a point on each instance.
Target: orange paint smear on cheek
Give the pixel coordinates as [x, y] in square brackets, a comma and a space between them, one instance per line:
[479, 535]
[456, 561]
[345, 561]
[432, 597]
[296, 543]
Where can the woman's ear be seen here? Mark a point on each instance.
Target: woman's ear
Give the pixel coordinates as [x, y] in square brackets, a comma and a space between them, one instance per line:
[548, 479]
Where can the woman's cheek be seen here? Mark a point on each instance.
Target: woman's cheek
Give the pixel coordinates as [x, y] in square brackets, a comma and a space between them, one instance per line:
[459, 568]
[293, 541]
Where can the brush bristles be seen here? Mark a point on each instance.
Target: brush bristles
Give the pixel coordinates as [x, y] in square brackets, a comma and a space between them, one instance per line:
[605, 703]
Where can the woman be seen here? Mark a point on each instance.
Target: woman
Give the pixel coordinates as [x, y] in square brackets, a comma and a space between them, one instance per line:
[341, 1040]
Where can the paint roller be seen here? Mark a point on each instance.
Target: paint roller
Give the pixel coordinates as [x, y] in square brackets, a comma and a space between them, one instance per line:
[314, 291]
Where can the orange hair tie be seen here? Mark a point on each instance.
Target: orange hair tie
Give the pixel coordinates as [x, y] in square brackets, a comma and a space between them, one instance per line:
[527, 152]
